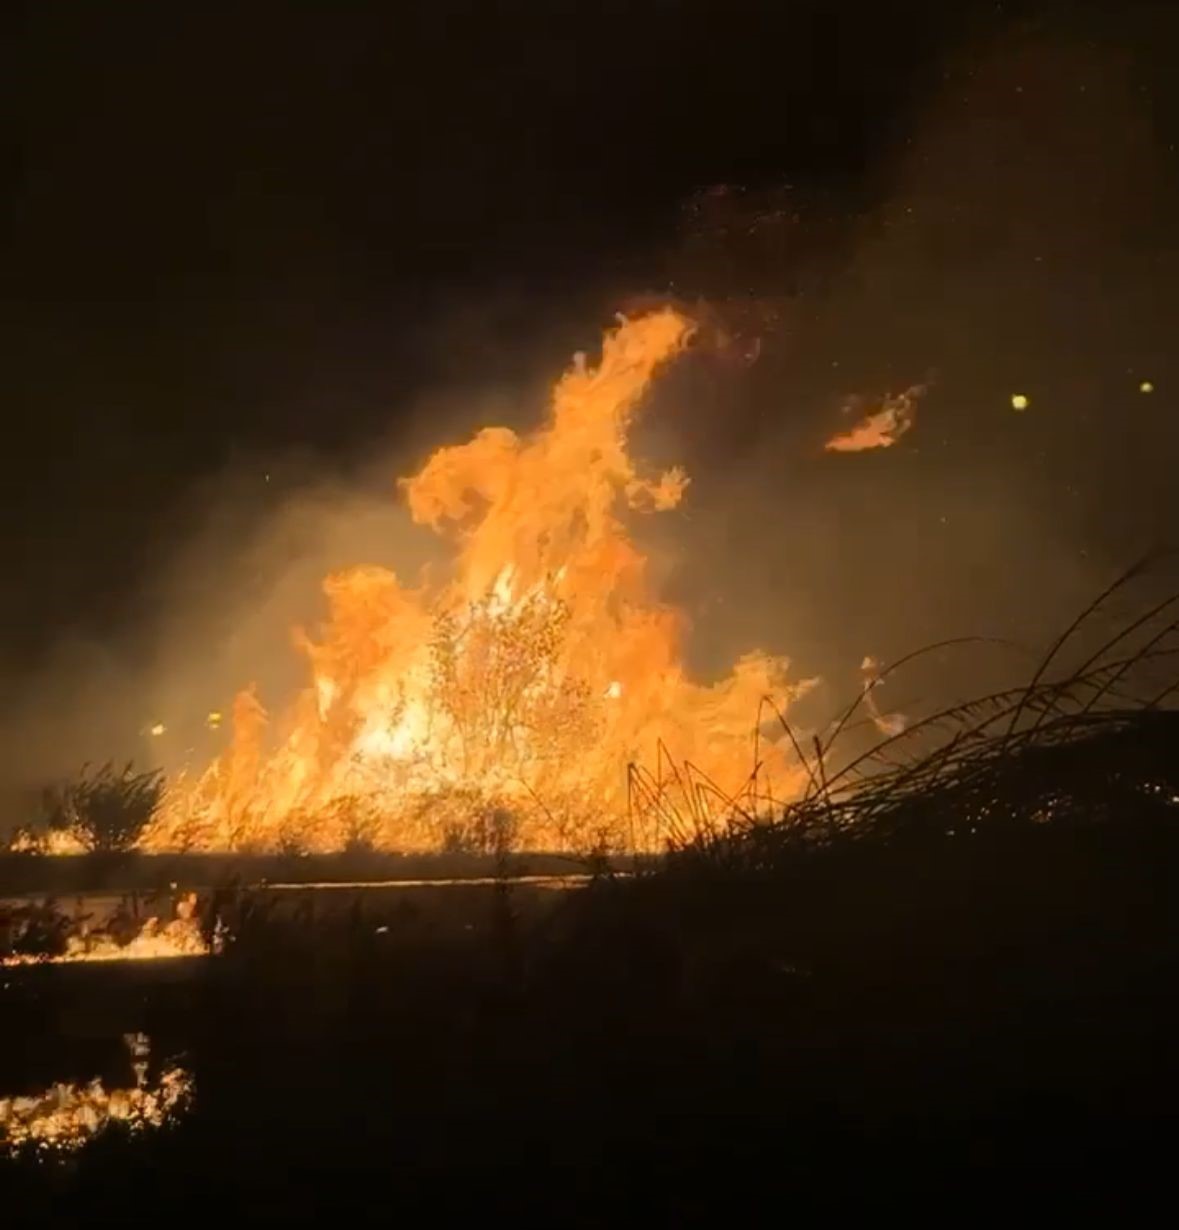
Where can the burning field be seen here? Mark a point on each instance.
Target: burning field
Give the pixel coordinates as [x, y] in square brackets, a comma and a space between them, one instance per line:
[535, 696]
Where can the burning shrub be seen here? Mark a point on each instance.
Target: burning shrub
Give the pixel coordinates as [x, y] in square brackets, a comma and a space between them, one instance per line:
[104, 811]
[478, 826]
[33, 932]
[360, 822]
[522, 682]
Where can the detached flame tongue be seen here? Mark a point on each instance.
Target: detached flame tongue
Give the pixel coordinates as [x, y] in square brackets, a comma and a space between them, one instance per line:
[515, 695]
[883, 427]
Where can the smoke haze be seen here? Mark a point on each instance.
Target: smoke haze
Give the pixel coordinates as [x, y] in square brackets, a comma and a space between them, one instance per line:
[1018, 238]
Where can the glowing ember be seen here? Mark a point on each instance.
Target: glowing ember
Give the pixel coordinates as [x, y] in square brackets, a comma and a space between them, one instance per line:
[507, 703]
[881, 428]
[65, 1117]
[1019, 401]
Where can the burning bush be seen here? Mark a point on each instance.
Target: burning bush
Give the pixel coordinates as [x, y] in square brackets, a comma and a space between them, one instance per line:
[103, 811]
[524, 684]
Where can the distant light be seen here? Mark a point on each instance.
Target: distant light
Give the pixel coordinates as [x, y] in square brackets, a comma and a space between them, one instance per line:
[614, 691]
[157, 730]
[213, 720]
[1146, 387]
[1019, 401]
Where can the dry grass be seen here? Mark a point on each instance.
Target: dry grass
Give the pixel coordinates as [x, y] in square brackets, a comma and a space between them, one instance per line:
[1090, 737]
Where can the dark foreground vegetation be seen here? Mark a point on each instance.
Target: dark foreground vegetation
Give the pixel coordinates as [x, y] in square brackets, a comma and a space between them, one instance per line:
[960, 973]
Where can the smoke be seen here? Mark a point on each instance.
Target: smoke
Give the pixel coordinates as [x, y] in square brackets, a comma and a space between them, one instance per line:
[1016, 242]
[239, 564]
[1020, 240]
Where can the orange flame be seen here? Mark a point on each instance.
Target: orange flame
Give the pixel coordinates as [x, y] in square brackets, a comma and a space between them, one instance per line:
[506, 703]
[65, 1117]
[882, 428]
[154, 941]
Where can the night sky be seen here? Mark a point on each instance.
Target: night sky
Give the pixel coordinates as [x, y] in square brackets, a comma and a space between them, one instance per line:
[256, 240]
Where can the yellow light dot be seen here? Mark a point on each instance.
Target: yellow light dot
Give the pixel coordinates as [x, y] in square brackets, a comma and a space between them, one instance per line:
[1146, 387]
[1019, 401]
[213, 720]
[158, 729]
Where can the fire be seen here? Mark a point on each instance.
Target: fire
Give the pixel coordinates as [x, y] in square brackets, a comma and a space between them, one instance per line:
[506, 701]
[155, 941]
[883, 427]
[54, 841]
[65, 1117]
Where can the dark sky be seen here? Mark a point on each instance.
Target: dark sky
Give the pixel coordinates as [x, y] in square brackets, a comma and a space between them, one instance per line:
[233, 225]
[238, 232]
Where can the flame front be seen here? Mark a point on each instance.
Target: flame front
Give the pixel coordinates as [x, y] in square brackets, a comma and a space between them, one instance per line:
[153, 941]
[65, 1117]
[507, 701]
